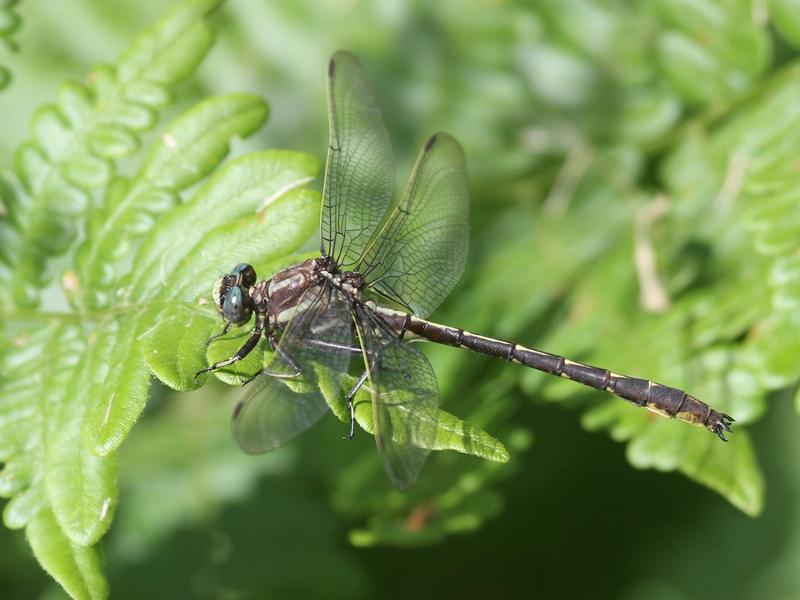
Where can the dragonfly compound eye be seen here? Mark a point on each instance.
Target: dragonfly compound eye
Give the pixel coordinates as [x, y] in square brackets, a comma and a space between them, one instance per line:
[246, 273]
[236, 307]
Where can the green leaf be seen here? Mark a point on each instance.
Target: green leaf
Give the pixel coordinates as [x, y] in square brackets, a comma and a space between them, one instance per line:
[118, 398]
[244, 185]
[451, 432]
[80, 378]
[169, 50]
[174, 347]
[45, 463]
[713, 50]
[76, 567]
[458, 501]
[69, 153]
[277, 231]
[785, 16]
[80, 486]
[10, 23]
[731, 470]
[454, 434]
[187, 150]
[195, 143]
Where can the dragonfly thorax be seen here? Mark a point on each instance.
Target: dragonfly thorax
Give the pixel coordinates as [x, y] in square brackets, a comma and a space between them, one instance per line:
[350, 281]
[286, 288]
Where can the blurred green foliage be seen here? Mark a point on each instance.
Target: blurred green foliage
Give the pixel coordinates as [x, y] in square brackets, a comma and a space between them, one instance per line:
[633, 169]
[9, 24]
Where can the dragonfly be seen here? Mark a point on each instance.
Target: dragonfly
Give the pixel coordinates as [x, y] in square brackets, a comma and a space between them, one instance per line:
[384, 267]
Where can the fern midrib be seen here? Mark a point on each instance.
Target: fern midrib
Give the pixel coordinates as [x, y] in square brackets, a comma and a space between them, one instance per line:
[40, 432]
[100, 238]
[84, 514]
[140, 184]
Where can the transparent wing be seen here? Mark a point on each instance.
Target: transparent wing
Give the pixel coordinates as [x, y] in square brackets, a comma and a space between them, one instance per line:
[281, 403]
[405, 399]
[273, 412]
[359, 175]
[419, 255]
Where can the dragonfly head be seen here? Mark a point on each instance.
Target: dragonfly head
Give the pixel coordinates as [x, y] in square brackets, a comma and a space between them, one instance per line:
[231, 294]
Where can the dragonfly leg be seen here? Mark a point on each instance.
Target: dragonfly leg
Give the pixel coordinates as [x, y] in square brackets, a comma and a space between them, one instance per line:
[249, 379]
[246, 349]
[284, 355]
[288, 358]
[220, 334]
[350, 395]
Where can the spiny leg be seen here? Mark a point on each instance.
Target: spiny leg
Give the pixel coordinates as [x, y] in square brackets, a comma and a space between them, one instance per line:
[246, 349]
[220, 334]
[288, 358]
[333, 347]
[350, 395]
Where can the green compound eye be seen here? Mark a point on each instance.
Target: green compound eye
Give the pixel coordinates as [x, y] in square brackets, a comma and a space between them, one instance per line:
[236, 307]
[246, 273]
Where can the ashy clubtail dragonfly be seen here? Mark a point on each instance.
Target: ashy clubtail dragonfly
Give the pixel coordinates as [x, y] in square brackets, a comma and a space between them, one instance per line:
[383, 269]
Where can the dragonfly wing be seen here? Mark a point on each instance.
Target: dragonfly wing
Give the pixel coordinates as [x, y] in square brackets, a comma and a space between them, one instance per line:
[420, 253]
[405, 399]
[283, 402]
[272, 413]
[359, 174]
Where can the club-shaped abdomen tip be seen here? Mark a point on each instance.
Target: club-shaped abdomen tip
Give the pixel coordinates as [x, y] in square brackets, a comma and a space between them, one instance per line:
[721, 424]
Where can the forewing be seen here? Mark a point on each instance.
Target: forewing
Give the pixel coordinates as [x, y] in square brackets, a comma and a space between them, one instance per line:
[359, 176]
[420, 253]
[280, 404]
[405, 399]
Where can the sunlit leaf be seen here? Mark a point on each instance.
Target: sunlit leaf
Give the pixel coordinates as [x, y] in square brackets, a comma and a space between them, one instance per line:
[62, 162]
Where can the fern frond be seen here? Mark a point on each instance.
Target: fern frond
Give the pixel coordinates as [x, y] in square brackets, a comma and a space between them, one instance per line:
[75, 143]
[10, 23]
[80, 380]
[185, 153]
[73, 383]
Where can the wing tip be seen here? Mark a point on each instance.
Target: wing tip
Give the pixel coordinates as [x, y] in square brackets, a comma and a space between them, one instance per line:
[431, 141]
[237, 409]
[341, 55]
[439, 138]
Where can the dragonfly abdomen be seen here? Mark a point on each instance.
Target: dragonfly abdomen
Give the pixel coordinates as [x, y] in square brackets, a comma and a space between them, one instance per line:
[664, 400]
